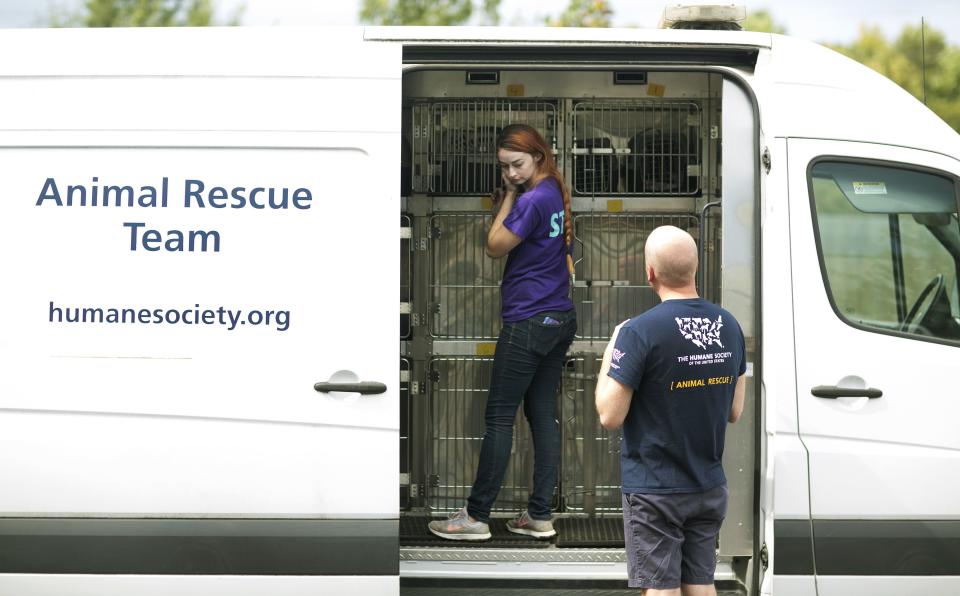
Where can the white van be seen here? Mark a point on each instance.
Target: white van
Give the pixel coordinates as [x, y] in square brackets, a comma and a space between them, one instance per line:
[202, 389]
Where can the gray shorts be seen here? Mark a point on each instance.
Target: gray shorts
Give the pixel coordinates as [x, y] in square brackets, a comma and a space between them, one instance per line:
[672, 539]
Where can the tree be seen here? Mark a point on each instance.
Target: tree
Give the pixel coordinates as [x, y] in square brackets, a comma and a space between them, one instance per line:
[762, 20]
[143, 13]
[584, 13]
[908, 62]
[427, 12]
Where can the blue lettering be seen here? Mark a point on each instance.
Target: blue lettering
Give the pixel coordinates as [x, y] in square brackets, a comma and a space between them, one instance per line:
[50, 192]
[306, 197]
[153, 240]
[253, 200]
[217, 197]
[189, 191]
[240, 201]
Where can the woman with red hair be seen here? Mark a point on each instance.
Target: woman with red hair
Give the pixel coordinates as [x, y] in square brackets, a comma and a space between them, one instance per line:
[532, 228]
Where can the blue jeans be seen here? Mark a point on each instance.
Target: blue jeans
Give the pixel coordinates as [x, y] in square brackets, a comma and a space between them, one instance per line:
[526, 367]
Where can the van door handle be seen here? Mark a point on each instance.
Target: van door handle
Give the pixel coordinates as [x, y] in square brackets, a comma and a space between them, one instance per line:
[833, 392]
[363, 388]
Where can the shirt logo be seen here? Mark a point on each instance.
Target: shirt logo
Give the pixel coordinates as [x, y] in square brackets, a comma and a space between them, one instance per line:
[701, 331]
[617, 355]
[556, 224]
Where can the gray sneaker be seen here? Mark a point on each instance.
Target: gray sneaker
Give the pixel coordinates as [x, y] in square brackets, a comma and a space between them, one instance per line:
[538, 528]
[459, 527]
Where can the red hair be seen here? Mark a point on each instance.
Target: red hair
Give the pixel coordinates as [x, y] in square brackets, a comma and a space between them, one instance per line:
[526, 139]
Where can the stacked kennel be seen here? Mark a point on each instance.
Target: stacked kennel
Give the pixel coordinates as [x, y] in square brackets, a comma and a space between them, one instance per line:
[631, 165]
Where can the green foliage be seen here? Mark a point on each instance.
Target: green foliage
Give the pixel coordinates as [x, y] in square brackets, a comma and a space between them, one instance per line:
[584, 13]
[762, 20]
[426, 12]
[902, 61]
[142, 13]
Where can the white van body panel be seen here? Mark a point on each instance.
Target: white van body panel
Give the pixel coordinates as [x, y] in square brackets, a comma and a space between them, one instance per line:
[164, 585]
[884, 452]
[890, 460]
[808, 90]
[216, 417]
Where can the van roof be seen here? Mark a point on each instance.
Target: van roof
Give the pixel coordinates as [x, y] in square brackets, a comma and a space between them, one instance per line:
[803, 89]
[570, 35]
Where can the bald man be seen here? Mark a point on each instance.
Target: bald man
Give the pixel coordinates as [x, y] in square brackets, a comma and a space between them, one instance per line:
[673, 377]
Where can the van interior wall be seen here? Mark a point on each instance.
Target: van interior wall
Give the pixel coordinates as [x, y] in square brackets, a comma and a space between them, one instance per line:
[638, 149]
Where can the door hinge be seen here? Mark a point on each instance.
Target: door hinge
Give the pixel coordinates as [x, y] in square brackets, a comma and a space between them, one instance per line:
[765, 159]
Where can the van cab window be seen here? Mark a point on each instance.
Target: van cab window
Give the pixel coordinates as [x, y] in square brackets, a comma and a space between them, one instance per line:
[889, 243]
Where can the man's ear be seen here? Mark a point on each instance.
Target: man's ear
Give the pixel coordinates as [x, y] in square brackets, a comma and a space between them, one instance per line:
[651, 276]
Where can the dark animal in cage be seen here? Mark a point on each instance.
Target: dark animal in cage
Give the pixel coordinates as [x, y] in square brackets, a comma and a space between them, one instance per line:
[658, 164]
[466, 162]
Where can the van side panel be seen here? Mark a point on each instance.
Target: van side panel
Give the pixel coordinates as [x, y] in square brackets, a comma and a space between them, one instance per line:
[196, 240]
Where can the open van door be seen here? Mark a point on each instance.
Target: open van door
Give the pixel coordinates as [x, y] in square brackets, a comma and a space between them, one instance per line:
[876, 255]
[199, 312]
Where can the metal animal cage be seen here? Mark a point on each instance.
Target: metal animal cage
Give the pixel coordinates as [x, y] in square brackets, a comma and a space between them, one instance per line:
[611, 282]
[465, 282]
[636, 147]
[457, 401]
[406, 273]
[404, 432]
[591, 454]
[454, 142]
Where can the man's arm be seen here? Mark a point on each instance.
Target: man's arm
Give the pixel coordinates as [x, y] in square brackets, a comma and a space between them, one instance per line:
[739, 397]
[612, 396]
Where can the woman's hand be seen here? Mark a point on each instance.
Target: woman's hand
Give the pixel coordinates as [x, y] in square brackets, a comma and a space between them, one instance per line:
[507, 185]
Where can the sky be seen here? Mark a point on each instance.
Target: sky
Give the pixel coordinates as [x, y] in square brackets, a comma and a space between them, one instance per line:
[835, 21]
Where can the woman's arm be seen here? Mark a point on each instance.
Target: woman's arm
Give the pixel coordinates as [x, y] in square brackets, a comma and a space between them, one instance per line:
[500, 240]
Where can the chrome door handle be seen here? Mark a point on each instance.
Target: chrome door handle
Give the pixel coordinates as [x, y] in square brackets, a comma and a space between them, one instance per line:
[363, 387]
[833, 392]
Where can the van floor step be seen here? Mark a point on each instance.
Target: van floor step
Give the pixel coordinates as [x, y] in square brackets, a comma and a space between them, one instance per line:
[585, 532]
[448, 587]
[414, 532]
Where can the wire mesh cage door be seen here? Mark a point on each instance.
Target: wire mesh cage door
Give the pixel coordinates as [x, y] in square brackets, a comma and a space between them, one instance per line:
[404, 433]
[406, 274]
[454, 142]
[636, 147]
[611, 281]
[458, 399]
[591, 454]
[464, 282]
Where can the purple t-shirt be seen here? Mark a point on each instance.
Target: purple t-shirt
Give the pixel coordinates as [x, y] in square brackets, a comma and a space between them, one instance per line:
[536, 277]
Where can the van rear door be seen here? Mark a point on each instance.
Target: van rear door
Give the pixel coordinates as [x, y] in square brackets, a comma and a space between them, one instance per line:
[199, 310]
[876, 256]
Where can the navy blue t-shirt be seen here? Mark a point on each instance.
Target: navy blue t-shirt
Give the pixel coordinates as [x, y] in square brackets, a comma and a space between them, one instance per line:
[682, 358]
